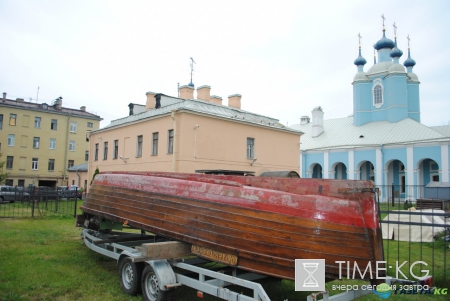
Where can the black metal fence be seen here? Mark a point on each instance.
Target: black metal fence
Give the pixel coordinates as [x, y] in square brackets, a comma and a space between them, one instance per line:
[39, 202]
[416, 234]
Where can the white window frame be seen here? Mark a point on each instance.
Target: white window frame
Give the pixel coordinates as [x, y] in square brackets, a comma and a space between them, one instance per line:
[11, 139]
[155, 142]
[51, 164]
[72, 145]
[139, 143]
[12, 119]
[55, 123]
[105, 150]
[378, 103]
[36, 142]
[52, 143]
[90, 125]
[96, 152]
[35, 164]
[170, 138]
[73, 126]
[250, 148]
[37, 122]
[9, 164]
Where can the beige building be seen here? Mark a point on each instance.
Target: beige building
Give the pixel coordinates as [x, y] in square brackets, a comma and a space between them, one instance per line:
[186, 135]
[39, 142]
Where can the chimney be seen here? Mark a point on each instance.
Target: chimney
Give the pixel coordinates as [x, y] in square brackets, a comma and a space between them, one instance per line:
[158, 100]
[234, 101]
[150, 100]
[187, 92]
[216, 99]
[203, 93]
[4, 96]
[304, 120]
[317, 122]
[83, 108]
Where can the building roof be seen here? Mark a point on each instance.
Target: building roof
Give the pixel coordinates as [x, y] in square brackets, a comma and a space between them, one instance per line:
[341, 133]
[25, 105]
[442, 129]
[206, 108]
[80, 167]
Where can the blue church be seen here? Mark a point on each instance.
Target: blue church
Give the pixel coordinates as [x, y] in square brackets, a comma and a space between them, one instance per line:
[383, 140]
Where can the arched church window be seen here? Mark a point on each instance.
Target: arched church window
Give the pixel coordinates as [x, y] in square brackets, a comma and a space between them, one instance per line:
[377, 93]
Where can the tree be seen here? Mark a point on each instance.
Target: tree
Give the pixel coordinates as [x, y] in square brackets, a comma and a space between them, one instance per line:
[3, 176]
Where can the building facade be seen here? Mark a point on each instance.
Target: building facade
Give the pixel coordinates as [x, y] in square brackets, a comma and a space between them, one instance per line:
[383, 140]
[183, 134]
[39, 142]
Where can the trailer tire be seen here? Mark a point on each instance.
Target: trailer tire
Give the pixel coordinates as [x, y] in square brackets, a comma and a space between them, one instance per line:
[150, 287]
[130, 276]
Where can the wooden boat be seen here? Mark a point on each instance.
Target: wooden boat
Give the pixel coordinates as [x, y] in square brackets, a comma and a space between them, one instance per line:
[258, 224]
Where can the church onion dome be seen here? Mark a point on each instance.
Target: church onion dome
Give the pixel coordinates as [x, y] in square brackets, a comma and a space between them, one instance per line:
[384, 42]
[360, 60]
[396, 52]
[360, 76]
[396, 68]
[413, 77]
[409, 61]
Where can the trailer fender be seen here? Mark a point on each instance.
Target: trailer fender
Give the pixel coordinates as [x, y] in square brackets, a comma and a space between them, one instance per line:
[164, 273]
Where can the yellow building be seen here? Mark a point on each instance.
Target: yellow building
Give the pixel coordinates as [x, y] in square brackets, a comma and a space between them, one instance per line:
[39, 142]
[183, 134]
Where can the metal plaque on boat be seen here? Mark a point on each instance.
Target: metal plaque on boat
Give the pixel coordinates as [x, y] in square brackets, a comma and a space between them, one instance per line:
[228, 259]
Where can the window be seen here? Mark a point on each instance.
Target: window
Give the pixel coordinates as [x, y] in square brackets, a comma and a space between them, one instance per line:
[96, 152]
[139, 146]
[36, 141]
[54, 125]
[70, 163]
[105, 150]
[37, 122]
[73, 127]
[250, 148]
[170, 143]
[155, 144]
[9, 162]
[51, 164]
[52, 143]
[86, 156]
[12, 119]
[90, 125]
[34, 163]
[377, 91]
[11, 139]
[116, 149]
[72, 145]
[21, 183]
[1, 121]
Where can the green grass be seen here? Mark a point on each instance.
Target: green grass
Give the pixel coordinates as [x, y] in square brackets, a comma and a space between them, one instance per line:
[44, 259]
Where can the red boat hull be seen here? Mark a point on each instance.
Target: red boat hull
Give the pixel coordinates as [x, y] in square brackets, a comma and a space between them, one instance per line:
[265, 223]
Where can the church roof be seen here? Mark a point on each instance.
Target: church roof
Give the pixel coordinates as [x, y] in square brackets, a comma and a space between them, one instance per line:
[341, 133]
[442, 129]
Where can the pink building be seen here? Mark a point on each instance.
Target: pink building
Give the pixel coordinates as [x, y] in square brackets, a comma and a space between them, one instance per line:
[186, 135]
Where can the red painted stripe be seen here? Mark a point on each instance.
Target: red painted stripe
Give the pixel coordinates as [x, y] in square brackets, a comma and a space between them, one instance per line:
[314, 207]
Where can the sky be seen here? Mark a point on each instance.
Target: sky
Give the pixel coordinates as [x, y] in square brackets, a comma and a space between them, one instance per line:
[283, 57]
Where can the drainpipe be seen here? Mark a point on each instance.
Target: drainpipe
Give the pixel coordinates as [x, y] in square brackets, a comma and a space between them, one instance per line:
[67, 146]
[78, 179]
[174, 169]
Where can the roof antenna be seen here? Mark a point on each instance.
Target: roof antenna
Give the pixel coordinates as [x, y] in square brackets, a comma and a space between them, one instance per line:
[192, 70]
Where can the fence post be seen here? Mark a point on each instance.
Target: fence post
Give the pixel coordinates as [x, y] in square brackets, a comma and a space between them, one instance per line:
[393, 195]
[32, 201]
[75, 204]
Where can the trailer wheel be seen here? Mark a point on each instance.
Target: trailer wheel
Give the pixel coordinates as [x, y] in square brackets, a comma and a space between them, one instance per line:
[130, 276]
[150, 287]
